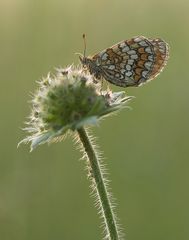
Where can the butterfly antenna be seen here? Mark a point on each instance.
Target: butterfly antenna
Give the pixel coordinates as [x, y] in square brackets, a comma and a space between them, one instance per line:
[85, 45]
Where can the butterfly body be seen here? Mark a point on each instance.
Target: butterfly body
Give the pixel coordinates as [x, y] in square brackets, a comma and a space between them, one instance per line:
[129, 63]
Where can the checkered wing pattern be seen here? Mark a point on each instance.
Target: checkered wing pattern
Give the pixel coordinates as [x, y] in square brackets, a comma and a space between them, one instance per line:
[131, 62]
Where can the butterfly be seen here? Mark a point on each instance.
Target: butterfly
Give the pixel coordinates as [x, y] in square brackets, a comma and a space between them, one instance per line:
[130, 62]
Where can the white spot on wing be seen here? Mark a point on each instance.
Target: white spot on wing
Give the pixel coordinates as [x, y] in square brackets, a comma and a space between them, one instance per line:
[138, 39]
[134, 56]
[144, 73]
[111, 67]
[104, 56]
[128, 74]
[122, 45]
[130, 62]
[148, 65]
[151, 58]
[143, 44]
[131, 52]
[148, 50]
[128, 67]
[125, 49]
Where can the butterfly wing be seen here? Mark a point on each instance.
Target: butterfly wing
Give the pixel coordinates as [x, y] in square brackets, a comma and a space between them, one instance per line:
[132, 62]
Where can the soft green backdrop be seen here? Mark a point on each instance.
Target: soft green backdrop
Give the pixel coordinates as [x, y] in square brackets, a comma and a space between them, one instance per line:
[44, 195]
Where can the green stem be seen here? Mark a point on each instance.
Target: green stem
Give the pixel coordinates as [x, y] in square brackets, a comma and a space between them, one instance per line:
[99, 182]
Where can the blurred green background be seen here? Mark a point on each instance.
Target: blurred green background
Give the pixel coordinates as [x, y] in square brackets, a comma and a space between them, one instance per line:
[44, 195]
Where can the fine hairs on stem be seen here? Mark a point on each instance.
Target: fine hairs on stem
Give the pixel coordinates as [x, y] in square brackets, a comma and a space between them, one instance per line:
[96, 173]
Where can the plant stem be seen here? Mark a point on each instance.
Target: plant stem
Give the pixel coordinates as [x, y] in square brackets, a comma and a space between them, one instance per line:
[98, 180]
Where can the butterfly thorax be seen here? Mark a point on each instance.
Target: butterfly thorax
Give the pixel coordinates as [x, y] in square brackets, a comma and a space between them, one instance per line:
[92, 66]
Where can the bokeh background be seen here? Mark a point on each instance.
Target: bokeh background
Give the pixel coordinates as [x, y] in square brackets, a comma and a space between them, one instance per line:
[44, 195]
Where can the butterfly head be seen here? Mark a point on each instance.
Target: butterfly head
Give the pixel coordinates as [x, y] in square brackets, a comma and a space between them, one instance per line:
[89, 63]
[85, 61]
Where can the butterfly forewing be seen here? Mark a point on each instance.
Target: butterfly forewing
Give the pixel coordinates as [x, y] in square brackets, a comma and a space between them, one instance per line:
[131, 62]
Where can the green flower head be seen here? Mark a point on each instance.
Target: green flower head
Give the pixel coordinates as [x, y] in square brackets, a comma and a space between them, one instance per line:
[67, 101]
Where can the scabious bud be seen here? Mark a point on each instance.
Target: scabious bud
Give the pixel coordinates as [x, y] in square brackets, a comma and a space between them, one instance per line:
[68, 100]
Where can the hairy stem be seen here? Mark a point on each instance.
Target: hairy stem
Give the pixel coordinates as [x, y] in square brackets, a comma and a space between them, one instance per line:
[98, 181]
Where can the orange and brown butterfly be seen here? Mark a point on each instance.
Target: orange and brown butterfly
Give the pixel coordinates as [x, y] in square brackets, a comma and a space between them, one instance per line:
[130, 62]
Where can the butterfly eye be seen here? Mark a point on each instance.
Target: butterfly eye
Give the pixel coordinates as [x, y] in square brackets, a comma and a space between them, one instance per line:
[85, 66]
